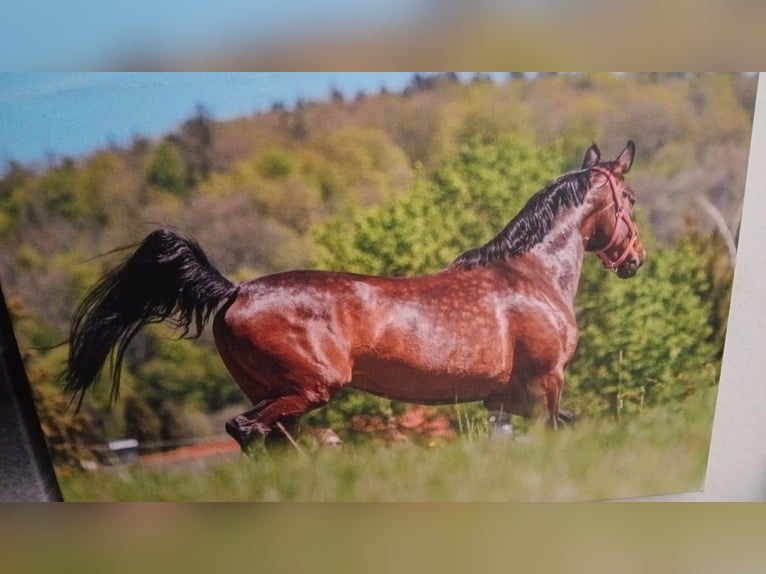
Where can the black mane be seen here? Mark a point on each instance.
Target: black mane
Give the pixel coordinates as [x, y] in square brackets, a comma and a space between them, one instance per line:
[532, 223]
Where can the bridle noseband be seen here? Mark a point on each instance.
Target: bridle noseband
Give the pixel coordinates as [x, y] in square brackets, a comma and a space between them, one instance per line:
[620, 213]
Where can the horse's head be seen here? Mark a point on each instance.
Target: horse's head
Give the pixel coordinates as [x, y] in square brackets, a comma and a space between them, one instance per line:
[610, 231]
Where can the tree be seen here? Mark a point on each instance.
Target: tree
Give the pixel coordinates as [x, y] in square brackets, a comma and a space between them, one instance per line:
[58, 189]
[196, 142]
[167, 169]
[141, 422]
[71, 438]
[12, 186]
[182, 372]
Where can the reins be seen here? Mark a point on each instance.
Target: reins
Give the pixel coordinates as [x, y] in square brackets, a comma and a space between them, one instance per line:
[620, 213]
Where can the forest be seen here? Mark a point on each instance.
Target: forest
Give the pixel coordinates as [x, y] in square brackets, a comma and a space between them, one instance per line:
[393, 184]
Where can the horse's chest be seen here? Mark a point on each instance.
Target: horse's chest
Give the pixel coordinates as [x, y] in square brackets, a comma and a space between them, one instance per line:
[543, 333]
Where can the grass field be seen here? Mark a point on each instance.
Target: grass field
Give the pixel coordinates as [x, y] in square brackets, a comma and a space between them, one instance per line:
[662, 450]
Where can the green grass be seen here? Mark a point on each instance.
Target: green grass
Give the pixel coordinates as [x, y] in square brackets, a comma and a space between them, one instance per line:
[660, 451]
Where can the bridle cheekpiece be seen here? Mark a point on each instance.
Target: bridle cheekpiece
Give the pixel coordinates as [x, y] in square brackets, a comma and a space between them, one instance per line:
[620, 213]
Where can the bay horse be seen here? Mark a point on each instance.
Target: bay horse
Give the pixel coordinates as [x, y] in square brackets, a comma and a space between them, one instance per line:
[497, 325]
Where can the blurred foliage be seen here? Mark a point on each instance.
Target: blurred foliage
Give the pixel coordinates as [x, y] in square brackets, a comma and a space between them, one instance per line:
[648, 340]
[181, 372]
[395, 184]
[166, 169]
[464, 202]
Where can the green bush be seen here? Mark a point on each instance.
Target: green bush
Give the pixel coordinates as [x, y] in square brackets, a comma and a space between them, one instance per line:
[646, 340]
[276, 163]
[167, 169]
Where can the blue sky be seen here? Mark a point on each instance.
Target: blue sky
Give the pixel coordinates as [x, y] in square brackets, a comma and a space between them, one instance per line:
[57, 114]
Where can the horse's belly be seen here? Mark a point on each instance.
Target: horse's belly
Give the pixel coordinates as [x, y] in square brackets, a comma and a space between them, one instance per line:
[410, 383]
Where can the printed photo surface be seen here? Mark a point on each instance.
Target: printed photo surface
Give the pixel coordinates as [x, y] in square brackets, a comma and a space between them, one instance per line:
[373, 287]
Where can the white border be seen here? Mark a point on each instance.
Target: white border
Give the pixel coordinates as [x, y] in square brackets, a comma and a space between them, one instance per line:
[737, 464]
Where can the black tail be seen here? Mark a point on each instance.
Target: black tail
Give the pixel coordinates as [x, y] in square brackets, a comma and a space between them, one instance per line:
[168, 277]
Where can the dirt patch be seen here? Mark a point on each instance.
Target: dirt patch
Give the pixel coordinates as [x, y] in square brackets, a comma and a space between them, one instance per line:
[192, 452]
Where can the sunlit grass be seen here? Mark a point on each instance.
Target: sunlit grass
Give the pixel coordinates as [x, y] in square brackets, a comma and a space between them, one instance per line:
[662, 450]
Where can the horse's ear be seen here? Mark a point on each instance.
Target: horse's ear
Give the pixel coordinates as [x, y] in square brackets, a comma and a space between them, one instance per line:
[626, 158]
[591, 157]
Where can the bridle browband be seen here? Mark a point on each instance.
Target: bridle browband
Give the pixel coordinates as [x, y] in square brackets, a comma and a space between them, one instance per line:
[620, 213]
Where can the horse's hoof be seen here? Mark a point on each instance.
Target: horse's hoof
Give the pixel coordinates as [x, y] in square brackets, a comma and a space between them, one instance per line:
[566, 417]
[500, 426]
[244, 436]
[234, 430]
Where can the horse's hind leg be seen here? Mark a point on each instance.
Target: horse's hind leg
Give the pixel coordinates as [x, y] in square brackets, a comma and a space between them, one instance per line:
[248, 427]
[566, 416]
[245, 428]
[272, 419]
[283, 433]
[282, 415]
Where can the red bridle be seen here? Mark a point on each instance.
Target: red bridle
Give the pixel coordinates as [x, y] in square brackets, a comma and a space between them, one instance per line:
[620, 213]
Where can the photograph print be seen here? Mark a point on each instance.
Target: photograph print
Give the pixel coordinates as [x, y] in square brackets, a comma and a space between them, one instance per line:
[378, 287]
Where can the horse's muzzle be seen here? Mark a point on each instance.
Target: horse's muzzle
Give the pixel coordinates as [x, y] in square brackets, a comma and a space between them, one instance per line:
[629, 267]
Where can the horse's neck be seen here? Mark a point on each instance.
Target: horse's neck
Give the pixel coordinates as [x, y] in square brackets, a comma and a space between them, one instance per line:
[560, 255]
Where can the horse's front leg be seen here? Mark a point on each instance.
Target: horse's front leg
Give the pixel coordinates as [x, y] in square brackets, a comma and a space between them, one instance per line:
[551, 389]
[514, 401]
[542, 398]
